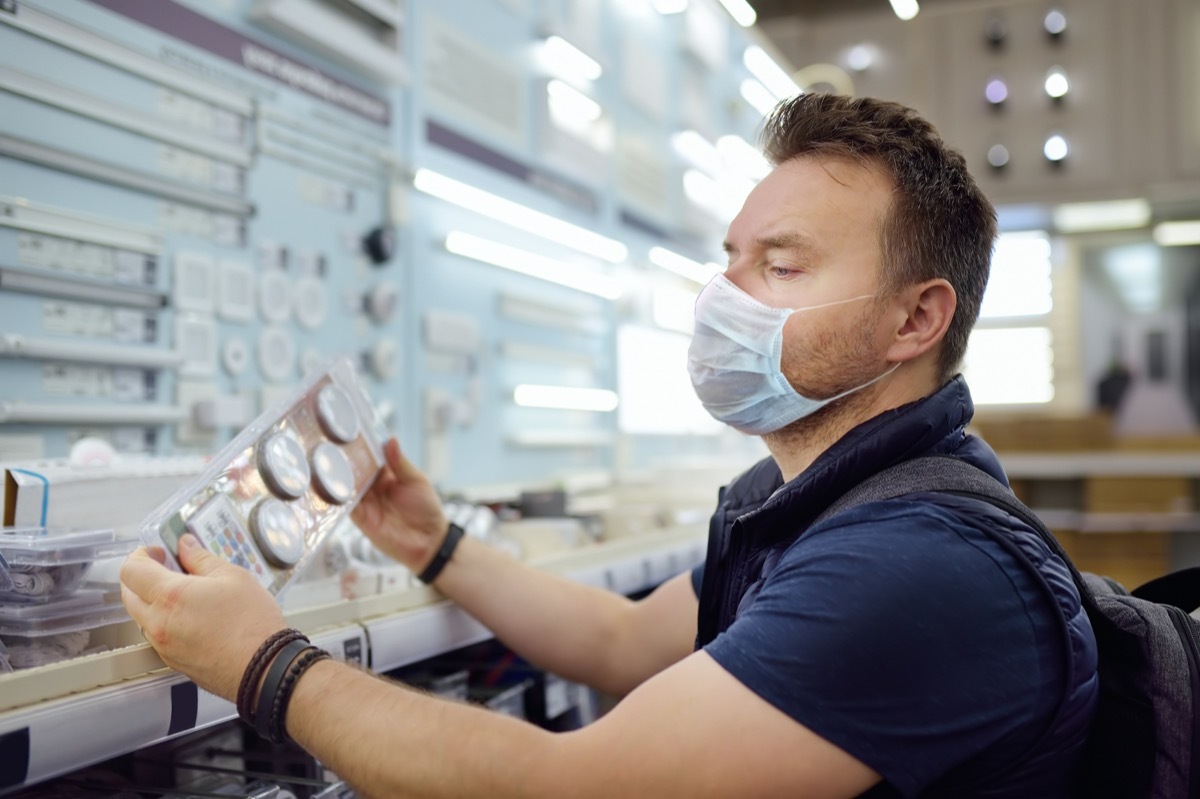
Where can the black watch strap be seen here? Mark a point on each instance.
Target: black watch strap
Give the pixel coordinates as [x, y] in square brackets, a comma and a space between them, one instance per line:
[449, 544]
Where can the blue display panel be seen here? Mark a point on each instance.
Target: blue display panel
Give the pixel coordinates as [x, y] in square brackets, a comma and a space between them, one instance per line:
[200, 201]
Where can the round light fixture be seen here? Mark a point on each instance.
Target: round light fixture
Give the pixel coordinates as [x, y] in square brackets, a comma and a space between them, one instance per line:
[860, 58]
[1057, 84]
[1056, 148]
[996, 91]
[997, 156]
[1055, 23]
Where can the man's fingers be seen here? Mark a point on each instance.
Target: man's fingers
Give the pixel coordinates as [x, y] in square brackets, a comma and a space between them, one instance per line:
[143, 575]
[138, 610]
[195, 559]
[402, 467]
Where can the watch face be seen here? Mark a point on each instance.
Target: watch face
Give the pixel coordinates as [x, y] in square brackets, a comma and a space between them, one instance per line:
[336, 414]
[333, 472]
[283, 466]
[278, 531]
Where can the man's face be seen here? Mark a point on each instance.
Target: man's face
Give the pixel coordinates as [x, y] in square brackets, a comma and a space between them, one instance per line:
[808, 235]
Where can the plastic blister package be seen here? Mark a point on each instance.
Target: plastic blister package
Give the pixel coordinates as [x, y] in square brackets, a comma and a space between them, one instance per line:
[38, 565]
[273, 494]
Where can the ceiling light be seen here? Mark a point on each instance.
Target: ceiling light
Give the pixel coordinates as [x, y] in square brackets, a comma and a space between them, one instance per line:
[1055, 23]
[1112, 215]
[1057, 84]
[758, 96]
[769, 73]
[742, 156]
[996, 91]
[860, 57]
[1177, 234]
[533, 265]
[1056, 148]
[905, 9]
[519, 216]
[741, 11]
[686, 267]
[997, 156]
[566, 398]
[568, 61]
[674, 309]
[697, 151]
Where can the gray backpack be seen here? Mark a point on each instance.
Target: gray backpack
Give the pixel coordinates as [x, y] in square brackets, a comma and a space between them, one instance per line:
[1145, 740]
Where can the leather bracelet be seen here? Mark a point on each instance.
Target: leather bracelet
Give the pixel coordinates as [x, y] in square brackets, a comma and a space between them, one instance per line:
[266, 695]
[278, 724]
[449, 544]
[254, 669]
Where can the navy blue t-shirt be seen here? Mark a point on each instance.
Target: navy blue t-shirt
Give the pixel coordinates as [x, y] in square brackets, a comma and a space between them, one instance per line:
[906, 638]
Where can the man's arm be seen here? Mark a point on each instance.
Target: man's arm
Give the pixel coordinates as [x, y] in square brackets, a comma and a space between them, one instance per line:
[583, 634]
[691, 731]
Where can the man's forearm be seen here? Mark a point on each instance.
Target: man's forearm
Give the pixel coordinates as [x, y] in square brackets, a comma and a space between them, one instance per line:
[390, 742]
[571, 630]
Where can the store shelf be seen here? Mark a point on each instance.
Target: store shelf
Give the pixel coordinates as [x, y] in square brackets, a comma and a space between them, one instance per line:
[79, 712]
[1079, 465]
[55, 737]
[1131, 522]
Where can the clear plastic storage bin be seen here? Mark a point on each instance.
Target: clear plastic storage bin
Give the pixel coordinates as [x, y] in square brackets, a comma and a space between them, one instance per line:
[37, 634]
[39, 565]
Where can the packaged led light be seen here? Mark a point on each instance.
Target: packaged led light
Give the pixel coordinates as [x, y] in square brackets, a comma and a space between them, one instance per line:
[272, 495]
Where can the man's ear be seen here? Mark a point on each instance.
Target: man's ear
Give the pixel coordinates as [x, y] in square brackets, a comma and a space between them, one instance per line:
[926, 311]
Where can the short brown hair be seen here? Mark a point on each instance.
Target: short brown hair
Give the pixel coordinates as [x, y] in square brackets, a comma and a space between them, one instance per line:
[939, 225]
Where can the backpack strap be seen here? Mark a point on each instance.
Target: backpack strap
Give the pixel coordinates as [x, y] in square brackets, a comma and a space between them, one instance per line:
[949, 475]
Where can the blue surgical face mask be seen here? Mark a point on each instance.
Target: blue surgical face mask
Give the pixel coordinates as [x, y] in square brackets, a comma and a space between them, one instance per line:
[735, 356]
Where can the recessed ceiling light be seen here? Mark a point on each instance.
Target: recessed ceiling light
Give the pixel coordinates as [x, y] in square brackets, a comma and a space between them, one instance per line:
[998, 156]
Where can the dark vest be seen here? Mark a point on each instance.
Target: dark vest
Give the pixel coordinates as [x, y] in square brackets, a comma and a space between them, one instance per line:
[758, 517]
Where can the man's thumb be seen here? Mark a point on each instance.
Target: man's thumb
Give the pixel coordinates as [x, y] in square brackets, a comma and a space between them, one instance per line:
[195, 559]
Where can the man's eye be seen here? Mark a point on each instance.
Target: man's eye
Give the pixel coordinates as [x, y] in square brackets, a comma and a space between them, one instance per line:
[782, 270]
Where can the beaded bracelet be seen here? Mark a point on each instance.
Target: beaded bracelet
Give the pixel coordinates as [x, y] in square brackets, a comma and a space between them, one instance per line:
[449, 544]
[258, 663]
[270, 686]
[283, 695]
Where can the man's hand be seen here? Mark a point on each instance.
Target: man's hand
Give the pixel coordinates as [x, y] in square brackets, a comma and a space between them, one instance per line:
[401, 513]
[207, 623]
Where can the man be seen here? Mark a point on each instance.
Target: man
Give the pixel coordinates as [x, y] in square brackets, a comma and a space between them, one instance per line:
[893, 650]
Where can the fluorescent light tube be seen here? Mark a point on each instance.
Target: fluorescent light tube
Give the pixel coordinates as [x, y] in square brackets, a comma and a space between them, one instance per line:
[565, 398]
[1111, 215]
[519, 216]
[567, 60]
[698, 151]
[769, 73]
[1177, 234]
[758, 96]
[670, 6]
[533, 265]
[741, 11]
[680, 265]
[571, 105]
[743, 156]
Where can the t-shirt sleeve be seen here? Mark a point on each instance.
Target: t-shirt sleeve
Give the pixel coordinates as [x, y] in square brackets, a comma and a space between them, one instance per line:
[697, 579]
[897, 637]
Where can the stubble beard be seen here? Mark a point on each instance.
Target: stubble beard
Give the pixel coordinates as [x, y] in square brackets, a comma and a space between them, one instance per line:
[830, 363]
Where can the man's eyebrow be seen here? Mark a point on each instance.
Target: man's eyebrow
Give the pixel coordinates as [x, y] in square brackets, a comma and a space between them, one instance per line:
[780, 241]
[786, 241]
